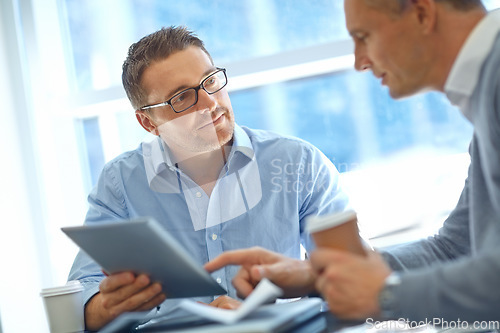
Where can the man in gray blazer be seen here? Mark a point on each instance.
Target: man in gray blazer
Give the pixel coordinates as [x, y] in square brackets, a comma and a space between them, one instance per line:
[451, 46]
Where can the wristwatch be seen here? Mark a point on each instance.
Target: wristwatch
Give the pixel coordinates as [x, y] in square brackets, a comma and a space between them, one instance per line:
[387, 298]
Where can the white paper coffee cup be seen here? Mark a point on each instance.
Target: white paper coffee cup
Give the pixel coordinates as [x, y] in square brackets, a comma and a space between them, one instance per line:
[64, 307]
[337, 231]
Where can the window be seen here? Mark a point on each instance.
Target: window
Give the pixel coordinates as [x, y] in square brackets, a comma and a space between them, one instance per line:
[348, 115]
[290, 70]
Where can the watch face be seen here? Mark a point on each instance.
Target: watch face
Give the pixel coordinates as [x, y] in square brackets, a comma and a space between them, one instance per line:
[387, 297]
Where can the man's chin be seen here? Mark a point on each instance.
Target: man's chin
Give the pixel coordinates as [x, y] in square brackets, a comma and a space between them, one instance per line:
[225, 138]
[225, 134]
[405, 92]
[397, 94]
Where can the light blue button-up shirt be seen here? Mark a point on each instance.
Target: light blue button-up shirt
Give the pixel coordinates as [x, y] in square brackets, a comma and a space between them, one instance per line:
[267, 188]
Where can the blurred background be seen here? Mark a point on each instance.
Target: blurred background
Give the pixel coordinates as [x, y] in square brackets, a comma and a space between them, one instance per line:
[289, 63]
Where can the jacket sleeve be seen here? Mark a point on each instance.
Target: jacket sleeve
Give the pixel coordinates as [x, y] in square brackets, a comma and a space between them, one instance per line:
[451, 242]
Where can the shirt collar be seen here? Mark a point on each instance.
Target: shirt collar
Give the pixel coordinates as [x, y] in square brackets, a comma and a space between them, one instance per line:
[160, 156]
[464, 74]
[159, 153]
[241, 143]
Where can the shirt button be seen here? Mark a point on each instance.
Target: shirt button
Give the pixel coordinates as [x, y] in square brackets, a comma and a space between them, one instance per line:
[198, 194]
[219, 280]
[214, 237]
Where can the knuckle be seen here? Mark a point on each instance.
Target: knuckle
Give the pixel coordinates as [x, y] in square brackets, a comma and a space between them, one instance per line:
[330, 274]
[256, 248]
[105, 303]
[157, 288]
[114, 312]
[103, 286]
[142, 280]
[152, 291]
[129, 304]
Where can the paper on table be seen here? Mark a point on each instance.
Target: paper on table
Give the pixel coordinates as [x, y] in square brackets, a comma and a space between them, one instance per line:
[264, 292]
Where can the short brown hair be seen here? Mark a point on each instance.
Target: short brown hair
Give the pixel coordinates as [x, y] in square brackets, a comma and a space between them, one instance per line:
[154, 47]
[398, 6]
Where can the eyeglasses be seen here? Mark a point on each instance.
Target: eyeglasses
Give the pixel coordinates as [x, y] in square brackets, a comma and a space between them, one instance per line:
[187, 98]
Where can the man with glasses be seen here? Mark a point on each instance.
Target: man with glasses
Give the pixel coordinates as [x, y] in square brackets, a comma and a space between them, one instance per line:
[214, 185]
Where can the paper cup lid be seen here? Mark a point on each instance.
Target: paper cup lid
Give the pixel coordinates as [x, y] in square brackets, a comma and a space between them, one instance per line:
[319, 223]
[70, 287]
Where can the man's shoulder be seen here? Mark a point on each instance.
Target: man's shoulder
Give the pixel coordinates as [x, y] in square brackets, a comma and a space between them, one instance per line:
[129, 159]
[260, 136]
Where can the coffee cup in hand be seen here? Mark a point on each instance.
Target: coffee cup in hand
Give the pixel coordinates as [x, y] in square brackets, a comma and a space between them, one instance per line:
[337, 231]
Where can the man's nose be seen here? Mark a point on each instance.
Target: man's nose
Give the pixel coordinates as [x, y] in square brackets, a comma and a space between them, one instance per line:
[206, 101]
[361, 60]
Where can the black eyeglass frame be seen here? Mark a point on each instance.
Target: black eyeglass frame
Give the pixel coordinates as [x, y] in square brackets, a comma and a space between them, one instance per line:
[196, 89]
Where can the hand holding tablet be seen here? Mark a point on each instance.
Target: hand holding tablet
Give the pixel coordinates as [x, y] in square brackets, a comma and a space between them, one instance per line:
[143, 246]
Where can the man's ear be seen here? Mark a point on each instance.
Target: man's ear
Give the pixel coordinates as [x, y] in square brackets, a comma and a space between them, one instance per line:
[145, 120]
[426, 12]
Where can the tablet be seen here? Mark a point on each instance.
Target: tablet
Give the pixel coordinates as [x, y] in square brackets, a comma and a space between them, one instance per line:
[144, 246]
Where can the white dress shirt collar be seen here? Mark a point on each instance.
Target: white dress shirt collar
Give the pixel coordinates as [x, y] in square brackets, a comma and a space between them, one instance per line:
[464, 74]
